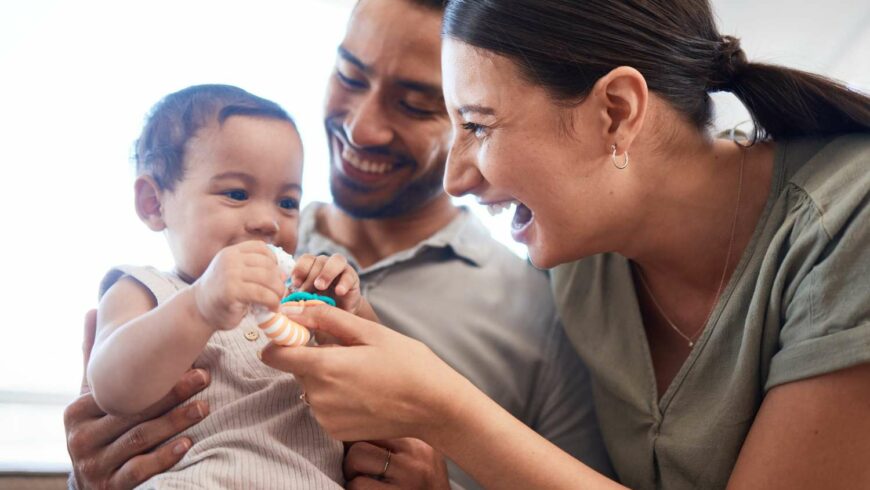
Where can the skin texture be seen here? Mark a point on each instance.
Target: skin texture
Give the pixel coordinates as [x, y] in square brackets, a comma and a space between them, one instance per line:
[508, 146]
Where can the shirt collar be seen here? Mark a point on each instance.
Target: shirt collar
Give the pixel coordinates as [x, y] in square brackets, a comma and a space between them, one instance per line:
[465, 236]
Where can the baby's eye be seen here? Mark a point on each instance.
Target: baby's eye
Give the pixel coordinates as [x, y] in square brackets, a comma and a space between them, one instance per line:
[236, 194]
[288, 203]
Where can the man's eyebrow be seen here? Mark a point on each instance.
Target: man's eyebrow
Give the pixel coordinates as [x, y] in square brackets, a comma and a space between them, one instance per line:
[426, 88]
[479, 109]
[353, 59]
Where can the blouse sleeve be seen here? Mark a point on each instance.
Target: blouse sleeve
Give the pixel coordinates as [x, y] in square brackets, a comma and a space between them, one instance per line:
[827, 314]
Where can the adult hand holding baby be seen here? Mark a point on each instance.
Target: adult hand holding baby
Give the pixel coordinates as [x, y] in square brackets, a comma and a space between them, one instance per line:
[116, 452]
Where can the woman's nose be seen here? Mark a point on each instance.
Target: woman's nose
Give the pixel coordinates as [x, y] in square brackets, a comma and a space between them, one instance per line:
[461, 176]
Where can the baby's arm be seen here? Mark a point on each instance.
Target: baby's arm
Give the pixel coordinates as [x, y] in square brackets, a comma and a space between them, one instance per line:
[141, 350]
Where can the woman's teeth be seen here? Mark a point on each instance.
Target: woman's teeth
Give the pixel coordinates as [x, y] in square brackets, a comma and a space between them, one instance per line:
[497, 208]
[364, 165]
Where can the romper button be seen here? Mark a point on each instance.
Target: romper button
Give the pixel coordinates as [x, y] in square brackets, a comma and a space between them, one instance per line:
[252, 335]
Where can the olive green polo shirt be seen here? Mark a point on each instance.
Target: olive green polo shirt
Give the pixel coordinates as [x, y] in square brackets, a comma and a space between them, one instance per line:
[797, 306]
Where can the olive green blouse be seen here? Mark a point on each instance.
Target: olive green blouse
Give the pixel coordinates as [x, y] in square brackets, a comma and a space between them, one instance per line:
[797, 306]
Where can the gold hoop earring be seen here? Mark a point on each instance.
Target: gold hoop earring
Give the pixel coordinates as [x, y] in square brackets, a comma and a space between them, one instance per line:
[615, 161]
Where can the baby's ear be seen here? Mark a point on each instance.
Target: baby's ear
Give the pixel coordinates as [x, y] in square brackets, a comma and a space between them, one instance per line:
[148, 202]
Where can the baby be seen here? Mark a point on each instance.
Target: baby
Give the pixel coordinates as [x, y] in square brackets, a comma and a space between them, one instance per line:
[219, 173]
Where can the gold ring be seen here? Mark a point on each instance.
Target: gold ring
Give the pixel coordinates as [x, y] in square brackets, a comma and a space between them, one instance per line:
[383, 473]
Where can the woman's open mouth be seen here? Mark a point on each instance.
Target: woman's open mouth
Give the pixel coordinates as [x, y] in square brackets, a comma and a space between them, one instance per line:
[522, 219]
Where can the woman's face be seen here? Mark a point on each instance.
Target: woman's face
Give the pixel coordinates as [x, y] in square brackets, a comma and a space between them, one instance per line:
[513, 143]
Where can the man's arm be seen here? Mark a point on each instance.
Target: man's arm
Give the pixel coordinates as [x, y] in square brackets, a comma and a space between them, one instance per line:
[112, 452]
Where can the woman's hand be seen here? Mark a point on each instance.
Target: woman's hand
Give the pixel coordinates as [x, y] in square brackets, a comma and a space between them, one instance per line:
[396, 463]
[382, 385]
[377, 385]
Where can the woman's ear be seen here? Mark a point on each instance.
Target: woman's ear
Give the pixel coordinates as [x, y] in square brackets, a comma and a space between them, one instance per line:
[623, 97]
[149, 204]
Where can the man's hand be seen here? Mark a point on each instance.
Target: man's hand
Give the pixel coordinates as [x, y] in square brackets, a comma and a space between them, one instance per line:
[413, 464]
[112, 452]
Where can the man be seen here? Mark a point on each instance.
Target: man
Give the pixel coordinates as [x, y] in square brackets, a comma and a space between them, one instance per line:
[429, 269]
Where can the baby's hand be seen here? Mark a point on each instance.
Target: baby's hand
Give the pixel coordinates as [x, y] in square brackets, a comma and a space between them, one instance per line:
[238, 276]
[333, 274]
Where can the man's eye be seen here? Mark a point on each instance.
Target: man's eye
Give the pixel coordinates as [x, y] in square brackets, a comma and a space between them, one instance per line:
[350, 82]
[416, 111]
[236, 195]
[288, 203]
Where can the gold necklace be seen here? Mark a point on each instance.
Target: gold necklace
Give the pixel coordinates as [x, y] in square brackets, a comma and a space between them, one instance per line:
[691, 338]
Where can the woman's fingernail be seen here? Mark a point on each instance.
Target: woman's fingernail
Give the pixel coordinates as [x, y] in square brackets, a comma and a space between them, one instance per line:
[292, 309]
[180, 447]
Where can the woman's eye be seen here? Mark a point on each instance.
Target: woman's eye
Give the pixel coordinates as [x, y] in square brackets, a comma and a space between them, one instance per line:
[350, 82]
[236, 195]
[288, 203]
[477, 130]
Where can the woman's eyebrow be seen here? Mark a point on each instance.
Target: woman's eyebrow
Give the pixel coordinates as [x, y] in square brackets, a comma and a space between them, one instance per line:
[479, 109]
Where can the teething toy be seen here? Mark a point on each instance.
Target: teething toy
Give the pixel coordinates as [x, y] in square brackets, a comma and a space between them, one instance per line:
[280, 329]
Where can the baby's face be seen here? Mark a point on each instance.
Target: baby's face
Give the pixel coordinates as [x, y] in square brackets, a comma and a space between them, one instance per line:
[242, 182]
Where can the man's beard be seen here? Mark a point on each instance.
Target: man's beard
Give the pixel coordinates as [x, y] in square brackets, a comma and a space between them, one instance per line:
[414, 196]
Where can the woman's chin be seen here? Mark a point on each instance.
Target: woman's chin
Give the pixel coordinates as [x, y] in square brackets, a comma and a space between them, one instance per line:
[540, 258]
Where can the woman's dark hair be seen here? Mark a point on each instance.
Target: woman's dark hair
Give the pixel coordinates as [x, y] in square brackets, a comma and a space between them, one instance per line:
[567, 45]
[174, 120]
[432, 4]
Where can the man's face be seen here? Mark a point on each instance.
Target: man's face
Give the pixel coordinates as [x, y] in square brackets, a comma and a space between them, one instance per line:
[386, 123]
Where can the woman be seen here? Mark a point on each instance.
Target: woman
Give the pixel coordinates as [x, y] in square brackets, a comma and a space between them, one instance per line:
[720, 293]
